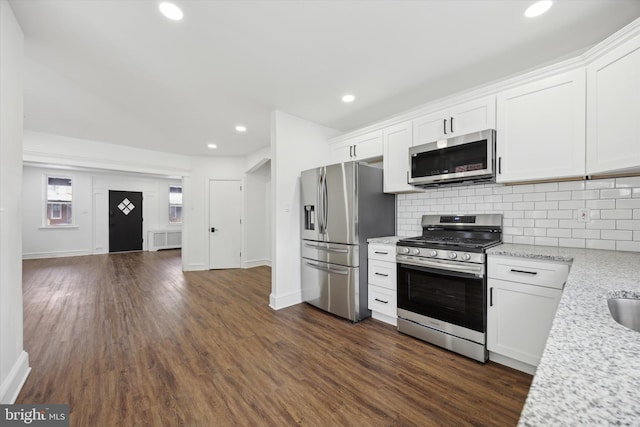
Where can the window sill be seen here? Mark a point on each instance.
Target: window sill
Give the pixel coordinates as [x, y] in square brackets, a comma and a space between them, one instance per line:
[57, 227]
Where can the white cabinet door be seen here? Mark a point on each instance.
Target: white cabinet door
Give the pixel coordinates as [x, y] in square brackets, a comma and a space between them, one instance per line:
[465, 118]
[519, 319]
[363, 147]
[613, 110]
[541, 129]
[473, 116]
[396, 141]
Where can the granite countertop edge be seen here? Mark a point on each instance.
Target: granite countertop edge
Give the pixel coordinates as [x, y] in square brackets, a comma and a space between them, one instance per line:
[387, 240]
[589, 372]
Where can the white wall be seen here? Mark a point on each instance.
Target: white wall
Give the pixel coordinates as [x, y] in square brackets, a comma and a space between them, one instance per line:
[195, 230]
[90, 234]
[541, 214]
[296, 145]
[14, 361]
[257, 216]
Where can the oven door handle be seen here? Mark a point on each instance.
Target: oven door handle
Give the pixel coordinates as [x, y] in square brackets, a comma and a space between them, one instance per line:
[440, 268]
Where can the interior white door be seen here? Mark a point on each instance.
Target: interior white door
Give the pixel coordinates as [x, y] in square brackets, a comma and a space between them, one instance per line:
[225, 210]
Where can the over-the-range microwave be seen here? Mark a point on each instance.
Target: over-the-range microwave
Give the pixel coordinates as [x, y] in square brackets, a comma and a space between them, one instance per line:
[469, 157]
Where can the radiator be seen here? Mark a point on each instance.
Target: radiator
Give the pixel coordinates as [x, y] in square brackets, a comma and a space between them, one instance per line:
[164, 239]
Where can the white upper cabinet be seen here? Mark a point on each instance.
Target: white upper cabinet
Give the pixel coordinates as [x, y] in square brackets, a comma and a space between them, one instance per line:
[613, 110]
[363, 147]
[541, 129]
[396, 141]
[464, 118]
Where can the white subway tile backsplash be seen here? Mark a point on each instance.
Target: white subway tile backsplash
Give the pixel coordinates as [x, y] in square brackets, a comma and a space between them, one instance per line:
[561, 214]
[617, 234]
[534, 197]
[571, 204]
[536, 214]
[559, 232]
[628, 246]
[627, 203]
[572, 243]
[618, 193]
[585, 234]
[543, 214]
[631, 224]
[546, 205]
[601, 204]
[586, 194]
[571, 185]
[617, 214]
[601, 244]
[524, 240]
[600, 183]
[559, 195]
[545, 187]
[546, 241]
[632, 181]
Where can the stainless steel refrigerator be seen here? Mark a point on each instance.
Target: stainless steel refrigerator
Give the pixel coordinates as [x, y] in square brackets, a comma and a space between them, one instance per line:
[342, 206]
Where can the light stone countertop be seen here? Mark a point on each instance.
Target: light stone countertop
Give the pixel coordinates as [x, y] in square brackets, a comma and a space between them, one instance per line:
[388, 240]
[589, 373]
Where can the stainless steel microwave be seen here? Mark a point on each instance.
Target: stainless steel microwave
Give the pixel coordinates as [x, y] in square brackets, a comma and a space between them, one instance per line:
[469, 157]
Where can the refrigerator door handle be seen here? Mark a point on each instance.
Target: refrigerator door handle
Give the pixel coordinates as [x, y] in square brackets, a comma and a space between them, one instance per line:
[319, 198]
[325, 204]
[323, 248]
[327, 269]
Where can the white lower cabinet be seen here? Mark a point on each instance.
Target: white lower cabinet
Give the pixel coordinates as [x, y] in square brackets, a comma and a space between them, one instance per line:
[522, 299]
[382, 275]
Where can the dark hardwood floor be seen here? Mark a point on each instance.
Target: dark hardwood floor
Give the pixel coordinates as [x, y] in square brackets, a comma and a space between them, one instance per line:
[129, 339]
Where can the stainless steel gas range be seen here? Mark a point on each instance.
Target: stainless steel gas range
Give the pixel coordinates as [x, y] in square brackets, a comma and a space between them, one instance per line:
[442, 287]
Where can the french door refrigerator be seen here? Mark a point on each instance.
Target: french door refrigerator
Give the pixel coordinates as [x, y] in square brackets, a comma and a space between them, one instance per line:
[342, 206]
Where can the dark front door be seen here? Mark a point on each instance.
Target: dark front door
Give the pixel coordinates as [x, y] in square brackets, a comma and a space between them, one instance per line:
[125, 221]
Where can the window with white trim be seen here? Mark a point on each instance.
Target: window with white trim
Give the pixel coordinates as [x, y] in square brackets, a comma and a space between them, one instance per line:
[59, 205]
[175, 204]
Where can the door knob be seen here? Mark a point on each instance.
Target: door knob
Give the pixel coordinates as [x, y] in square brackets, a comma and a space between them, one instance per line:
[213, 229]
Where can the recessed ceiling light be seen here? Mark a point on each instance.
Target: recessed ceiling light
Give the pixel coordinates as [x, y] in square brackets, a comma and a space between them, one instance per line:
[171, 11]
[241, 128]
[348, 98]
[212, 146]
[538, 8]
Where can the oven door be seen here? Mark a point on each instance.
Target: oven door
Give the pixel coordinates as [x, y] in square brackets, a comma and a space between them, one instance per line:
[453, 297]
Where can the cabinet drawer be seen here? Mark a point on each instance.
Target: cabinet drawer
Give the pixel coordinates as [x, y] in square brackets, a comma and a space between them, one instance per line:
[382, 273]
[382, 252]
[383, 301]
[540, 273]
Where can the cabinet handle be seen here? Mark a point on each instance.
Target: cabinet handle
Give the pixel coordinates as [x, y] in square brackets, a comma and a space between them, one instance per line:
[350, 151]
[499, 165]
[445, 126]
[380, 274]
[384, 302]
[354, 151]
[381, 253]
[451, 125]
[524, 271]
[490, 297]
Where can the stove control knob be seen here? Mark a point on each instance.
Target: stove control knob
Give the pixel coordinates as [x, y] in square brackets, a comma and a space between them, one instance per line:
[403, 250]
[466, 257]
[433, 253]
[415, 251]
[453, 255]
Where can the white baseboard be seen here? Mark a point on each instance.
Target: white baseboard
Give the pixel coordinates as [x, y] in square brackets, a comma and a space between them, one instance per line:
[11, 386]
[195, 267]
[256, 263]
[384, 318]
[282, 301]
[57, 254]
[512, 363]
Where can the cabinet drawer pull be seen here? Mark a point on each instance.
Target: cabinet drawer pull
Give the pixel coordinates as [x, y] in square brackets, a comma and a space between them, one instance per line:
[490, 297]
[451, 125]
[445, 126]
[381, 274]
[384, 302]
[513, 270]
[381, 253]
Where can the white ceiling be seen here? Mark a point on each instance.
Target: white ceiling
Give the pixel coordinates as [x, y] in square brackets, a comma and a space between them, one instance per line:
[117, 71]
